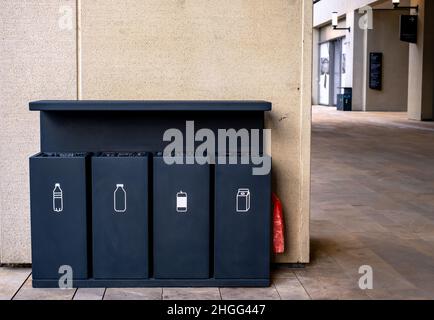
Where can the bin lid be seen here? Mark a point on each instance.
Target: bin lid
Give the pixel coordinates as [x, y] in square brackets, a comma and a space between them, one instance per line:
[149, 105]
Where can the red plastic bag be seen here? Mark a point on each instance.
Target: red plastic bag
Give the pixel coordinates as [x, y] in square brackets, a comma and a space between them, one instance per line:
[278, 226]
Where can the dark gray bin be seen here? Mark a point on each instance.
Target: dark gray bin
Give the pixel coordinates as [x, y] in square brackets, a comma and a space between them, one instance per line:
[120, 216]
[242, 223]
[58, 201]
[181, 220]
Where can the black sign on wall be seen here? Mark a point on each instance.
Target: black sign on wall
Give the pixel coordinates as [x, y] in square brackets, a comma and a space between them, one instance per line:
[408, 29]
[376, 70]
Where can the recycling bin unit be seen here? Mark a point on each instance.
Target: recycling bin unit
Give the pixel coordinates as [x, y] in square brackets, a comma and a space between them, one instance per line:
[128, 217]
[59, 215]
[120, 216]
[181, 228]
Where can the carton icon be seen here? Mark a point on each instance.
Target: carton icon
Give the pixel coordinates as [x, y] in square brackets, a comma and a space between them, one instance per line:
[243, 200]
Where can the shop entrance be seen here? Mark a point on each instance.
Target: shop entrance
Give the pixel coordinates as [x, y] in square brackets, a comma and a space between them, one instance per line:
[332, 71]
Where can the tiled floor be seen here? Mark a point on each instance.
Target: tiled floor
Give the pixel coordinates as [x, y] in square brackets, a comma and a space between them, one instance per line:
[372, 204]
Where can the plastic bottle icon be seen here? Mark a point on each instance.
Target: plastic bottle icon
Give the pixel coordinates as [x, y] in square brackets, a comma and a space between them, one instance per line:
[57, 198]
[120, 199]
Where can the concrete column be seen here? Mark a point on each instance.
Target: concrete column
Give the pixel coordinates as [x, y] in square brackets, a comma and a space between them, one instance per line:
[421, 67]
[358, 53]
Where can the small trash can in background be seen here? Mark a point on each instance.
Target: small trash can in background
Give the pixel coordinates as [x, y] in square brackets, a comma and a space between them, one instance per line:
[58, 200]
[120, 215]
[181, 220]
[242, 222]
[344, 100]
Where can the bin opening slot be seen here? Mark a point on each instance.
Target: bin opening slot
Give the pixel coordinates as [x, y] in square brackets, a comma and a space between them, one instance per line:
[122, 154]
[63, 154]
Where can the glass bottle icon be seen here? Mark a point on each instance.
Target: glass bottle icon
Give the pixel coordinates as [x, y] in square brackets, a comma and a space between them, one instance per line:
[120, 199]
[57, 198]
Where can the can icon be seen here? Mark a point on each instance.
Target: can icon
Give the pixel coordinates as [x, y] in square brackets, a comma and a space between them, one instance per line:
[243, 200]
[181, 201]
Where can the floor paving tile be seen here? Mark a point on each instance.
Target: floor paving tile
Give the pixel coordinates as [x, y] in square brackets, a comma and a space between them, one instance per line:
[89, 294]
[269, 293]
[29, 293]
[290, 289]
[191, 294]
[133, 294]
[11, 279]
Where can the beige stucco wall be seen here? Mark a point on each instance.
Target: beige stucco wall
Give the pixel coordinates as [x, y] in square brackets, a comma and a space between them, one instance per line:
[37, 60]
[193, 49]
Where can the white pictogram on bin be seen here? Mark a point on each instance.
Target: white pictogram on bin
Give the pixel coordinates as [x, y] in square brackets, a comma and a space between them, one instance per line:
[243, 200]
[120, 199]
[57, 198]
[181, 201]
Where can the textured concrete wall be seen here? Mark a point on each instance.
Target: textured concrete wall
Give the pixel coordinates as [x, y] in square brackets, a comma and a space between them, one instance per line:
[178, 49]
[37, 60]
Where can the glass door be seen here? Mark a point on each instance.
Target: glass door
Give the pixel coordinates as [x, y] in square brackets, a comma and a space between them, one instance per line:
[324, 79]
